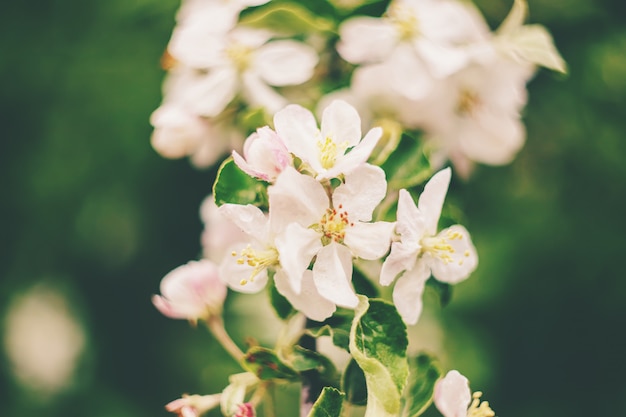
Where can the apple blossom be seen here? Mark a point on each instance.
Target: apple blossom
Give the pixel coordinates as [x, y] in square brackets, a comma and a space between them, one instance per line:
[453, 398]
[193, 405]
[219, 233]
[336, 148]
[265, 155]
[448, 255]
[192, 291]
[335, 231]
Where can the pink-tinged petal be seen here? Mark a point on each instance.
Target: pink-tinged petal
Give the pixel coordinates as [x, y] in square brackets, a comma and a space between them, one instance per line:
[401, 258]
[369, 240]
[297, 246]
[309, 301]
[362, 191]
[212, 93]
[285, 62]
[460, 262]
[410, 224]
[239, 277]
[366, 40]
[356, 157]
[296, 198]
[167, 309]
[407, 293]
[298, 128]
[259, 94]
[193, 405]
[265, 155]
[452, 395]
[341, 123]
[432, 198]
[332, 274]
[245, 167]
[250, 219]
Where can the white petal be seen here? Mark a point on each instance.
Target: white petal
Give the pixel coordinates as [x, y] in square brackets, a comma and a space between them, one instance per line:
[309, 301]
[365, 39]
[285, 62]
[234, 274]
[212, 93]
[442, 60]
[361, 192]
[463, 260]
[296, 247]
[401, 258]
[407, 293]
[341, 123]
[452, 395]
[298, 198]
[409, 75]
[432, 198]
[332, 274]
[369, 240]
[250, 219]
[410, 223]
[259, 94]
[356, 157]
[298, 128]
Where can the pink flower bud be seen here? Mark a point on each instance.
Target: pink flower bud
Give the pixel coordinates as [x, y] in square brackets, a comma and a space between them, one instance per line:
[193, 405]
[245, 410]
[265, 155]
[192, 291]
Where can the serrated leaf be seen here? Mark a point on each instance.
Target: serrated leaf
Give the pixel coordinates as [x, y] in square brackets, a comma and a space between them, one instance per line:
[234, 186]
[287, 19]
[265, 364]
[337, 327]
[328, 404]
[423, 374]
[408, 165]
[378, 343]
[515, 19]
[302, 359]
[353, 384]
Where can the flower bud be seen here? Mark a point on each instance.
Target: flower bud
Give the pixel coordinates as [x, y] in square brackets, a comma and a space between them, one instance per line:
[192, 291]
[193, 405]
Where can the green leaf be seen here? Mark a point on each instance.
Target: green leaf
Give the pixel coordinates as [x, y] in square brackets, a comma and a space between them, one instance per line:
[378, 343]
[337, 327]
[423, 374]
[265, 364]
[442, 289]
[408, 165]
[287, 19]
[353, 384]
[281, 305]
[328, 404]
[234, 186]
[302, 359]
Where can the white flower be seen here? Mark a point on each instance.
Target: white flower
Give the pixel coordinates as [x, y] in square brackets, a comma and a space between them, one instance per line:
[334, 231]
[265, 155]
[448, 255]
[334, 149]
[271, 246]
[192, 291]
[240, 60]
[453, 398]
[219, 233]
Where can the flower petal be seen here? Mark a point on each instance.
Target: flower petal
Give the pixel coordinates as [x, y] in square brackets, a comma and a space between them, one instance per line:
[257, 93]
[309, 301]
[213, 92]
[296, 247]
[410, 223]
[452, 395]
[356, 157]
[365, 39]
[463, 258]
[402, 258]
[432, 198]
[361, 192]
[332, 273]
[369, 240]
[407, 293]
[250, 219]
[239, 276]
[341, 123]
[285, 62]
[298, 128]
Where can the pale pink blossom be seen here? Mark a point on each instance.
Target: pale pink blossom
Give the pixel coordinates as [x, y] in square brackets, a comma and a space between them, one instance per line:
[219, 233]
[193, 405]
[193, 291]
[264, 155]
[453, 398]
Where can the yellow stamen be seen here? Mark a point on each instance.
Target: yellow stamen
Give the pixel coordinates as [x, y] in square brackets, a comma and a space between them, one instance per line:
[329, 150]
[240, 55]
[467, 103]
[257, 259]
[333, 225]
[405, 21]
[479, 409]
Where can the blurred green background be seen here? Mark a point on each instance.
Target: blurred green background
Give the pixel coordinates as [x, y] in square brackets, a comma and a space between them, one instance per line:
[92, 218]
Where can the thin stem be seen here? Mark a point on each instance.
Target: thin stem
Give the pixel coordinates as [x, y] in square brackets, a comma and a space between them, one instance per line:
[216, 326]
[268, 403]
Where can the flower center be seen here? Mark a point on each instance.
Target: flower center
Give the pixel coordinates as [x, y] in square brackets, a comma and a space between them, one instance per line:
[257, 259]
[479, 409]
[333, 225]
[440, 247]
[240, 55]
[329, 150]
[405, 21]
[467, 103]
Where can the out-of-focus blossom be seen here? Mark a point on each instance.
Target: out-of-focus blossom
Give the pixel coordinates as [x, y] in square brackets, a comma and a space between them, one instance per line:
[193, 291]
[453, 398]
[448, 255]
[336, 148]
[245, 410]
[193, 405]
[219, 233]
[264, 155]
[335, 231]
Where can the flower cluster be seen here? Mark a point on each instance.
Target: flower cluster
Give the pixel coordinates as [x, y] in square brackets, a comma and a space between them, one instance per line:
[301, 207]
